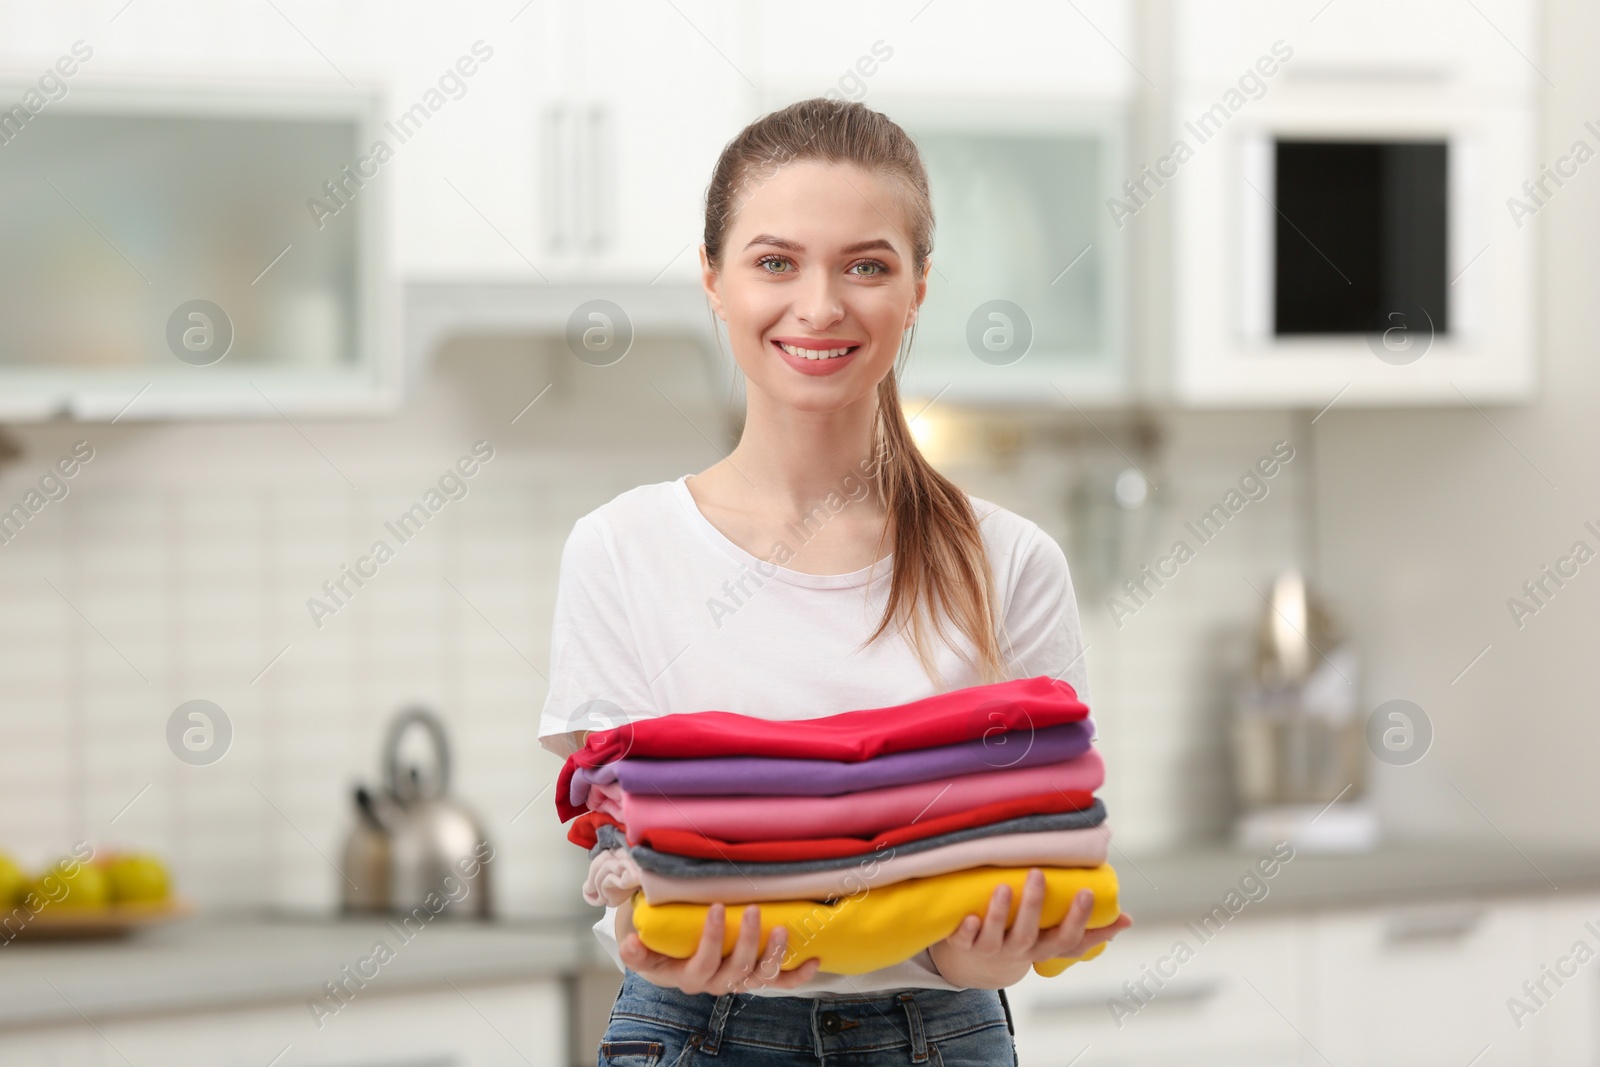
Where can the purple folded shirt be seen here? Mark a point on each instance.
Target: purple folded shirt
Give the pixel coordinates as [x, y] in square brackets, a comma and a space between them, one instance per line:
[767, 776]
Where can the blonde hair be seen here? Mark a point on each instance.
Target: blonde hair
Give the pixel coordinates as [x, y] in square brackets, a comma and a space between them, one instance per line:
[941, 570]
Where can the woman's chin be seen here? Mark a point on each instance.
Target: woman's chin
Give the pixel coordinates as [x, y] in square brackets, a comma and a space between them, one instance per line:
[817, 396]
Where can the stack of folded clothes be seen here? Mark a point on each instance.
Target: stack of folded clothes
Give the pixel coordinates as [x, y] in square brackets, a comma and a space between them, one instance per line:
[869, 834]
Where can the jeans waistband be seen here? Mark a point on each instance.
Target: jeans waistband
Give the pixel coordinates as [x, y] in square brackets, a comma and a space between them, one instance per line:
[908, 1019]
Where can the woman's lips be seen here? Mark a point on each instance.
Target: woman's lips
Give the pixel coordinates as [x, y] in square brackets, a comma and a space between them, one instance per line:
[831, 365]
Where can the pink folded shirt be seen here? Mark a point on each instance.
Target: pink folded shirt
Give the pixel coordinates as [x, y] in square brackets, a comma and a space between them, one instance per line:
[613, 876]
[863, 814]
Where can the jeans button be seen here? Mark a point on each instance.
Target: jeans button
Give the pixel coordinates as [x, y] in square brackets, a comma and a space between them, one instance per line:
[830, 1022]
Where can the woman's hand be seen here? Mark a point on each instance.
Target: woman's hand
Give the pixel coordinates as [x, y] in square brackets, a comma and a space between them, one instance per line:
[707, 971]
[983, 954]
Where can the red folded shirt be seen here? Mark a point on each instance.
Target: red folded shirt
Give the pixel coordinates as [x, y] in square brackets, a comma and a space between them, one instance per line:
[582, 830]
[689, 843]
[850, 736]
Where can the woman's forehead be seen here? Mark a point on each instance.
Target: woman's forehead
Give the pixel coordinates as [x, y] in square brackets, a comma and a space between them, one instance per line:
[813, 207]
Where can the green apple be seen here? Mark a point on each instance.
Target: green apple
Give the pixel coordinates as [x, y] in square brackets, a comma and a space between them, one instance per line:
[71, 883]
[137, 879]
[13, 883]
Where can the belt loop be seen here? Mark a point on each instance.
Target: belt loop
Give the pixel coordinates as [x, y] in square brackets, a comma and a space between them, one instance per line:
[1006, 1004]
[919, 1039]
[719, 1019]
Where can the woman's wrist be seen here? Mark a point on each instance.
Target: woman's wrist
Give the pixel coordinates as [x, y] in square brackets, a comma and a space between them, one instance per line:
[961, 969]
[622, 925]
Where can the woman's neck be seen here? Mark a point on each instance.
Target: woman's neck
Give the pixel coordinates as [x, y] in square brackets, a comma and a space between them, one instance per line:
[789, 459]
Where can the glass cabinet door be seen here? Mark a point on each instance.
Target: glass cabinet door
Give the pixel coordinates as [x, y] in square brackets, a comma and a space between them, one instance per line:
[189, 249]
[1025, 289]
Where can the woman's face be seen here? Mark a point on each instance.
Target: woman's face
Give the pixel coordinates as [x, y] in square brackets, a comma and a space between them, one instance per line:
[817, 259]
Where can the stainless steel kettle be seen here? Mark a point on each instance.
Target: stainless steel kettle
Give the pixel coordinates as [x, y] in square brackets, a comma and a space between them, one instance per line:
[413, 850]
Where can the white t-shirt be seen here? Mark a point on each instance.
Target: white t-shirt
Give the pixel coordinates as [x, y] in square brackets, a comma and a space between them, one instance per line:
[657, 612]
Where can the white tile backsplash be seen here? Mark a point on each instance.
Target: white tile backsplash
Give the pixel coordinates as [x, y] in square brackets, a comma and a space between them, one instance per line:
[190, 551]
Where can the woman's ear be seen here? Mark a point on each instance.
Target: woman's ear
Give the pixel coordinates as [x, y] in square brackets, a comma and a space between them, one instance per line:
[922, 292]
[708, 279]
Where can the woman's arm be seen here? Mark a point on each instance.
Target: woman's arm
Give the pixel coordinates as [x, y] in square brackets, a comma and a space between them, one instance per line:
[597, 677]
[1041, 634]
[597, 680]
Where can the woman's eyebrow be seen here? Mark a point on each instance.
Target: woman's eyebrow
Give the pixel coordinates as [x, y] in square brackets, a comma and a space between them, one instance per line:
[877, 244]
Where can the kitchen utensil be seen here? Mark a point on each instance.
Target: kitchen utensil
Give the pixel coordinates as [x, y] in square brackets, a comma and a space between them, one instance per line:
[412, 846]
[366, 858]
[1288, 749]
[1296, 738]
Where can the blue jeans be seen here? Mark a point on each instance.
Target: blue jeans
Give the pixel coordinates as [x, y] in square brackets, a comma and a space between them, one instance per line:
[654, 1026]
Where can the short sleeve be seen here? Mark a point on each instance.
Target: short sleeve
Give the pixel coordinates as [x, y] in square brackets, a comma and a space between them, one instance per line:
[1042, 633]
[597, 679]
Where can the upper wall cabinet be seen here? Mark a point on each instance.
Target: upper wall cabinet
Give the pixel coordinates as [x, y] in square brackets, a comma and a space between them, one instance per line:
[1019, 111]
[1025, 298]
[1488, 45]
[289, 165]
[207, 225]
[1004, 50]
[164, 263]
[1343, 202]
[657, 92]
[586, 151]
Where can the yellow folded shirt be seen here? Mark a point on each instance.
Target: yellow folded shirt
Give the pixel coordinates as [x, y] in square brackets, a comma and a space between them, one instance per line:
[886, 925]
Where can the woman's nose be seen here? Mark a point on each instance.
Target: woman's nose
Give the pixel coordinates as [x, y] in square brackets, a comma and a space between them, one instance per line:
[819, 303]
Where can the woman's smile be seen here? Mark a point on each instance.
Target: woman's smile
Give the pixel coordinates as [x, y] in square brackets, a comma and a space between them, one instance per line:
[816, 355]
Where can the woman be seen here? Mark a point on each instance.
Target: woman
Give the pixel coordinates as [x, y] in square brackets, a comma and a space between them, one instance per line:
[762, 585]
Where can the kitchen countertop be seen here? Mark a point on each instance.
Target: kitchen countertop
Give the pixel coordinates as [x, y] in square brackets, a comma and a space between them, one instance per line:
[1186, 885]
[218, 961]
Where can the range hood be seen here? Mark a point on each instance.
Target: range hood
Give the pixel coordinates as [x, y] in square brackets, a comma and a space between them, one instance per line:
[435, 312]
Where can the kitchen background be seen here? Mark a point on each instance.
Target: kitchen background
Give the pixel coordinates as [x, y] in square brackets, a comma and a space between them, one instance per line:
[568, 167]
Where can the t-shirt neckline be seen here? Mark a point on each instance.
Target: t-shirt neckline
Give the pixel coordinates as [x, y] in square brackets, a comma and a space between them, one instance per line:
[764, 569]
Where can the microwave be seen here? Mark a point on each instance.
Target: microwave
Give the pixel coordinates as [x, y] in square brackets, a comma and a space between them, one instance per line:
[1349, 240]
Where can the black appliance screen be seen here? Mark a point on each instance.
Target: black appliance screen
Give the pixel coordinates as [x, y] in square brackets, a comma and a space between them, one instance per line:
[1360, 235]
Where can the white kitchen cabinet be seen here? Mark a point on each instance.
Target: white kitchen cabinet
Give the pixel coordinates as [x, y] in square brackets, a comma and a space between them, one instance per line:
[1236, 1000]
[1251, 76]
[1008, 50]
[652, 94]
[465, 182]
[76, 1046]
[1020, 111]
[580, 150]
[1423, 984]
[473, 1026]
[1026, 293]
[587, 151]
[1433, 39]
[168, 265]
[1392, 986]
[1558, 1019]
[183, 255]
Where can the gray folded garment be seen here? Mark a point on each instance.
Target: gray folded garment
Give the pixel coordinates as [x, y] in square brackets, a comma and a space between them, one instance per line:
[668, 863]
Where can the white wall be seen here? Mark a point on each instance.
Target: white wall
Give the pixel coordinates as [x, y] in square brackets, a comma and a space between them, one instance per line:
[1431, 520]
[191, 550]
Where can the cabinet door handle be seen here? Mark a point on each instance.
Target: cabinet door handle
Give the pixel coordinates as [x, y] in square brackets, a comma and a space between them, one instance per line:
[601, 173]
[1435, 924]
[556, 155]
[1172, 994]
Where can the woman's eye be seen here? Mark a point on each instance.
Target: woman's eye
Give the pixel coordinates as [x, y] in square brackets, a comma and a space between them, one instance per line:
[774, 264]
